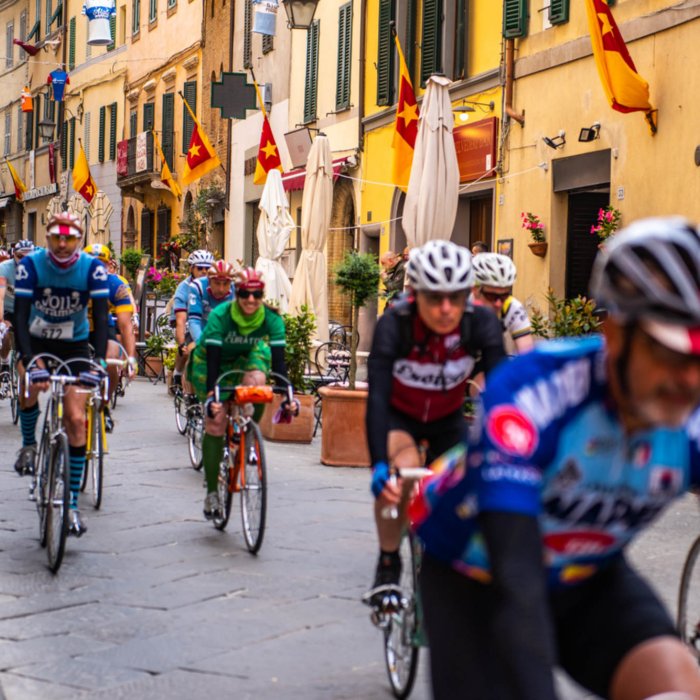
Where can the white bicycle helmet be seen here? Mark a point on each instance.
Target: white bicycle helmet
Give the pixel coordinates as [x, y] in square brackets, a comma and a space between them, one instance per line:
[440, 266]
[200, 258]
[494, 269]
[23, 247]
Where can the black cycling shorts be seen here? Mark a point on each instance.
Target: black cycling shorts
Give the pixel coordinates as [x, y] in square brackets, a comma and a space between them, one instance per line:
[597, 623]
[441, 435]
[111, 335]
[64, 350]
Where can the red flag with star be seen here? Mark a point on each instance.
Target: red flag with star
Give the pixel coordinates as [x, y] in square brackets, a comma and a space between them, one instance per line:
[268, 154]
[405, 126]
[20, 187]
[201, 157]
[83, 183]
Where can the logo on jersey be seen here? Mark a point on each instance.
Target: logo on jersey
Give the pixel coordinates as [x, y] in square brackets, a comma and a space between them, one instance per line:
[59, 305]
[100, 274]
[568, 477]
[22, 273]
[580, 543]
[512, 431]
[664, 481]
[433, 376]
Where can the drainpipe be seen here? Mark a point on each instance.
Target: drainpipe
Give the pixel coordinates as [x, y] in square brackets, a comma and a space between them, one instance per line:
[510, 78]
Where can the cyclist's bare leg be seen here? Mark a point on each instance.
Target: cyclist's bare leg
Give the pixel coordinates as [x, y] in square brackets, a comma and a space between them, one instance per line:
[254, 378]
[74, 405]
[113, 353]
[659, 665]
[6, 343]
[186, 385]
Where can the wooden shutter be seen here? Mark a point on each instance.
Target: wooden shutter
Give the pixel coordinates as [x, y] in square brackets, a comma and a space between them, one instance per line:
[461, 46]
[515, 18]
[71, 44]
[311, 77]
[49, 12]
[8, 133]
[9, 46]
[248, 34]
[71, 144]
[113, 131]
[342, 83]
[35, 31]
[23, 25]
[113, 32]
[267, 43]
[133, 123]
[148, 116]
[431, 41]
[167, 127]
[558, 11]
[101, 136]
[87, 120]
[190, 92]
[57, 16]
[385, 54]
[147, 231]
[20, 133]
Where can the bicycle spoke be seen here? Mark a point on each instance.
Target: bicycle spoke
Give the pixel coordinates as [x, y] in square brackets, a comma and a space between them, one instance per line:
[253, 487]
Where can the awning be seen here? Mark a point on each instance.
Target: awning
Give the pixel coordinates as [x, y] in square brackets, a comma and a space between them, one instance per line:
[4, 201]
[294, 179]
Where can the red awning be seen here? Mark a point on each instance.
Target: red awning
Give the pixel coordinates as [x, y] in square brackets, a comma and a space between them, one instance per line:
[294, 179]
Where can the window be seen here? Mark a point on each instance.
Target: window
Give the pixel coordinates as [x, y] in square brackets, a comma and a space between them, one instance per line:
[163, 219]
[71, 44]
[8, 133]
[385, 54]
[101, 135]
[172, 3]
[459, 63]
[57, 16]
[135, 17]
[113, 131]
[431, 39]
[36, 120]
[49, 12]
[167, 127]
[148, 116]
[133, 123]
[247, 34]
[190, 92]
[23, 25]
[152, 10]
[87, 119]
[515, 17]
[112, 32]
[311, 77]
[9, 46]
[559, 11]
[342, 83]
[268, 43]
[49, 115]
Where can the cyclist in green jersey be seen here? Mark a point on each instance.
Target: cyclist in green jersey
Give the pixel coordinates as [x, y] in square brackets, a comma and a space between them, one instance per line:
[244, 335]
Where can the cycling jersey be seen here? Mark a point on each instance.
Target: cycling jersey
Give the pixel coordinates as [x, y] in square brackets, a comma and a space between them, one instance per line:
[514, 318]
[7, 270]
[552, 448]
[181, 297]
[200, 304]
[119, 300]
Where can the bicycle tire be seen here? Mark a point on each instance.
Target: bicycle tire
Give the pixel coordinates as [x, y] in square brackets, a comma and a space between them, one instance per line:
[253, 488]
[180, 413]
[115, 393]
[14, 396]
[224, 487]
[42, 471]
[400, 649]
[89, 453]
[58, 501]
[195, 434]
[97, 465]
[688, 620]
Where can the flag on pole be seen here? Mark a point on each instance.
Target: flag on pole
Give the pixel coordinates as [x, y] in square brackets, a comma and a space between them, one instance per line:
[20, 187]
[201, 156]
[167, 181]
[625, 89]
[83, 183]
[405, 125]
[268, 153]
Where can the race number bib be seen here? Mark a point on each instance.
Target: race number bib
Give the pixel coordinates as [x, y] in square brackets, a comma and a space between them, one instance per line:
[41, 328]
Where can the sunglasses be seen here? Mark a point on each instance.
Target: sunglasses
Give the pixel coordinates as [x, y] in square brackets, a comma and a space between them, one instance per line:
[247, 293]
[202, 267]
[436, 298]
[493, 297]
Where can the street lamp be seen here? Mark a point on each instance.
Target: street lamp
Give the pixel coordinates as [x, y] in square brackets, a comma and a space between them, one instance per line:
[300, 13]
[46, 128]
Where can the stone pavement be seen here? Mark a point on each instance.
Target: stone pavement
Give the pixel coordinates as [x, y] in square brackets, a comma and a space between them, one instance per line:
[153, 602]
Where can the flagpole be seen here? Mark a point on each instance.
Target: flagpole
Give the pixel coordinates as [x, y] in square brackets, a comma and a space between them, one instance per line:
[257, 92]
[196, 121]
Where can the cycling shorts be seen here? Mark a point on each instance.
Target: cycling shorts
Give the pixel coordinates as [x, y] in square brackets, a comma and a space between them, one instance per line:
[64, 350]
[441, 435]
[111, 335]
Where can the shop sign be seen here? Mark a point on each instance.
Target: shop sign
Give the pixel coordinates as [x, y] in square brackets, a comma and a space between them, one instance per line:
[476, 149]
[42, 191]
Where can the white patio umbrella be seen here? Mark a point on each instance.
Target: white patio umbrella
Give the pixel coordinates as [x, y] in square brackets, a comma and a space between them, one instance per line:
[433, 188]
[310, 284]
[274, 227]
[100, 210]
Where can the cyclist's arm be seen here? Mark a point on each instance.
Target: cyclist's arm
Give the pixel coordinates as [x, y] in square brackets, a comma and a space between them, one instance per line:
[524, 343]
[180, 326]
[488, 338]
[23, 305]
[3, 288]
[126, 332]
[100, 325]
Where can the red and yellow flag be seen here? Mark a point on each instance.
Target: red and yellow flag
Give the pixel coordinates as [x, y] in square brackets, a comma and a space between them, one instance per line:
[201, 156]
[405, 126]
[83, 183]
[20, 187]
[268, 153]
[166, 177]
[625, 89]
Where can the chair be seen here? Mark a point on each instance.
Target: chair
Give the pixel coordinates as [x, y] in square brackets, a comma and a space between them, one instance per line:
[340, 334]
[331, 365]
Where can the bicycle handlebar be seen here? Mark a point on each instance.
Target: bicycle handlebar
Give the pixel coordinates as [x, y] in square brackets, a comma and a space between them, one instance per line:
[219, 387]
[62, 379]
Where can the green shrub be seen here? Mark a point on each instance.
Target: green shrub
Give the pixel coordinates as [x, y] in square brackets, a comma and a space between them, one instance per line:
[566, 317]
[131, 260]
[300, 329]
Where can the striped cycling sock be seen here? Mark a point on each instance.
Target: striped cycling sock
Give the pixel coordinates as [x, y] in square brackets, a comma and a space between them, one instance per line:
[77, 464]
[212, 451]
[28, 418]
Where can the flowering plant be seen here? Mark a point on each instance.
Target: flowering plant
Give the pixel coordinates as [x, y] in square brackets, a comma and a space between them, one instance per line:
[164, 282]
[609, 220]
[532, 223]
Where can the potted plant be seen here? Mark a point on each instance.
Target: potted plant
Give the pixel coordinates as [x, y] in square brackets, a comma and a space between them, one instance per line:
[131, 261]
[299, 334]
[343, 409]
[566, 317]
[609, 220]
[156, 347]
[531, 222]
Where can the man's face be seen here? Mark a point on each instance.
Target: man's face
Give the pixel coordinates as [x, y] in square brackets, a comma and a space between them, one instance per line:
[219, 288]
[493, 297]
[441, 312]
[62, 246]
[663, 385]
[199, 271]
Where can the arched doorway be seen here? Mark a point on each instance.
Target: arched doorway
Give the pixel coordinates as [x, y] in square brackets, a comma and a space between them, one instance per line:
[341, 240]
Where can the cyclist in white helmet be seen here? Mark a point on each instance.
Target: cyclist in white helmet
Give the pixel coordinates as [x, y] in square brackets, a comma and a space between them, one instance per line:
[422, 354]
[8, 269]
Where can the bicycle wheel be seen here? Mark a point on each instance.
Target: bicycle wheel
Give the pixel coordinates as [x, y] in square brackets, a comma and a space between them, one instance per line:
[90, 445]
[253, 488]
[689, 601]
[15, 388]
[180, 413]
[224, 487]
[97, 461]
[14, 401]
[115, 393]
[42, 477]
[400, 647]
[58, 501]
[196, 432]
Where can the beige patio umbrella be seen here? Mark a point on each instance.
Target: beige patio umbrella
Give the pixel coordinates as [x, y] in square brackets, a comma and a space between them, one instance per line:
[100, 212]
[274, 227]
[78, 206]
[433, 188]
[54, 207]
[310, 284]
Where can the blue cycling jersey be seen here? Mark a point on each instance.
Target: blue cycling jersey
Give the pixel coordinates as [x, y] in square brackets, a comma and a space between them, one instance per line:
[60, 297]
[551, 446]
[182, 294]
[7, 270]
[200, 304]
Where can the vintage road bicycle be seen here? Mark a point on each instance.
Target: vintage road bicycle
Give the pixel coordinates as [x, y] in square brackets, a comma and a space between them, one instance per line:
[9, 385]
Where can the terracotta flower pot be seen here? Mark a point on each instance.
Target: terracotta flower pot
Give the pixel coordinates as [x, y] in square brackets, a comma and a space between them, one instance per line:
[343, 437]
[538, 248]
[301, 429]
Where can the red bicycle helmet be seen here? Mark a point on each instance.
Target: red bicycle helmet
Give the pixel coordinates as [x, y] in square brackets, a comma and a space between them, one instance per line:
[249, 278]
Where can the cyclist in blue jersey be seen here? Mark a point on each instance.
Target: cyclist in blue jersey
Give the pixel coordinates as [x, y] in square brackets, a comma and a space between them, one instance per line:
[52, 290]
[199, 262]
[8, 269]
[582, 444]
[206, 293]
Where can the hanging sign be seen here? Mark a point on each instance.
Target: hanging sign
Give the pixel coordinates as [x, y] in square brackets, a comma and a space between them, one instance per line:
[99, 13]
[265, 17]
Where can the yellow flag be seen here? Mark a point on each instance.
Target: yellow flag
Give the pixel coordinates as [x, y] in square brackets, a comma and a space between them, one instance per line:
[166, 177]
[20, 187]
[405, 125]
[201, 156]
[83, 183]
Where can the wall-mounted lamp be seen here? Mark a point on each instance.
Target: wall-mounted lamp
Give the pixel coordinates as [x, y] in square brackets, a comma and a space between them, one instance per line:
[555, 141]
[466, 107]
[46, 128]
[590, 133]
[300, 13]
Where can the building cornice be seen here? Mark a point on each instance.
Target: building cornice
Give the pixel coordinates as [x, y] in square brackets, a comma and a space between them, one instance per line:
[173, 60]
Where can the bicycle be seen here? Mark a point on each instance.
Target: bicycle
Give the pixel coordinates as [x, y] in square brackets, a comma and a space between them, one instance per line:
[195, 433]
[242, 468]
[182, 402]
[9, 385]
[688, 620]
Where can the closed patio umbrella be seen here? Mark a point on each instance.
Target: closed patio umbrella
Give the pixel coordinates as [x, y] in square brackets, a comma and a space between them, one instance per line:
[274, 227]
[310, 284]
[433, 188]
[100, 212]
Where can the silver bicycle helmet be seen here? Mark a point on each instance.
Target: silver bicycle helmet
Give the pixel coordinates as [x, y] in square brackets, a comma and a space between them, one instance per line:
[440, 266]
[23, 247]
[201, 258]
[494, 269]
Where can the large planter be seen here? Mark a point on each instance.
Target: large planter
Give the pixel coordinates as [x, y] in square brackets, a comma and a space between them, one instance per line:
[343, 436]
[301, 429]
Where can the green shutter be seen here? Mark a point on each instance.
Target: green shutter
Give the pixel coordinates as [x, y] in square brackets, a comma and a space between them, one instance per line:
[558, 11]
[342, 83]
[460, 58]
[71, 144]
[57, 15]
[133, 123]
[409, 41]
[190, 92]
[611, 3]
[168, 126]
[431, 44]
[35, 31]
[267, 43]
[71, 44]
[311, 76]
[64, 145]
[101, 136]
[49, 13]
[385, 54]
[148, 116]
[247, 34]
[515, 18]
[113, 131]
[112, 32]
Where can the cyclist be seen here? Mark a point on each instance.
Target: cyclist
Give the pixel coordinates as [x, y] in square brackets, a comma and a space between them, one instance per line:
[584, 443]
[52, 290]
[206, 293]
[422, 354]
[120, 312]
[199, 262]
[242, 334]
[8, 269]
[495, 275]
